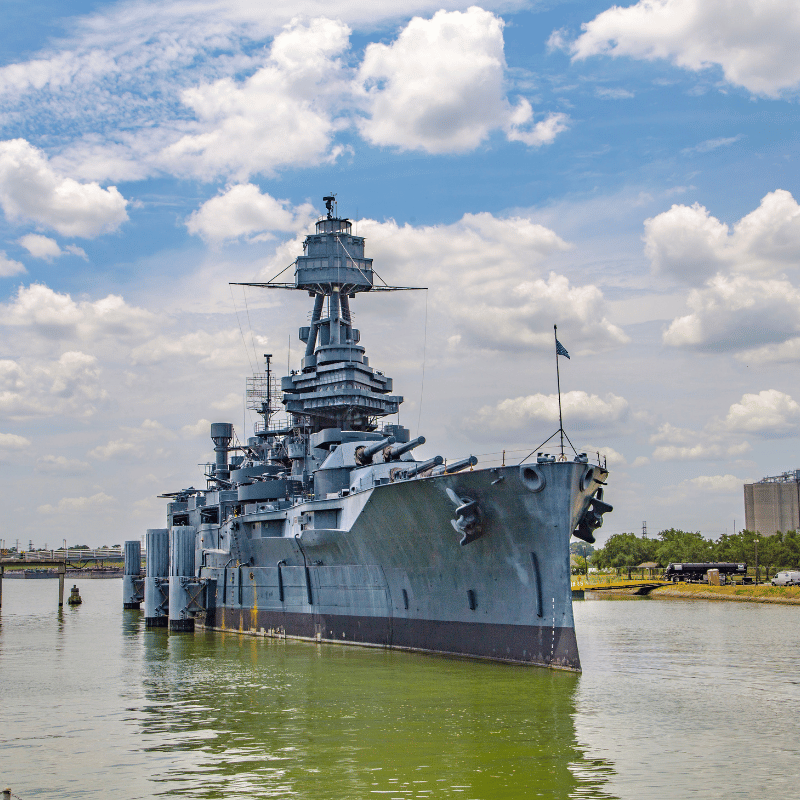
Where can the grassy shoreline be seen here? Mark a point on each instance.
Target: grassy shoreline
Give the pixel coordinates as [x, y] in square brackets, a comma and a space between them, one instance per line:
[789, 595]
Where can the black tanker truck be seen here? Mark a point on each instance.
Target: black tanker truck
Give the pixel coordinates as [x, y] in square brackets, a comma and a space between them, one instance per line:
[695, 573]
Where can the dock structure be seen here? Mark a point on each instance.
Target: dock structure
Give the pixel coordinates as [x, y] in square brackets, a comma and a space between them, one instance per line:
[74, 558]
[14, 562]
[642, 586]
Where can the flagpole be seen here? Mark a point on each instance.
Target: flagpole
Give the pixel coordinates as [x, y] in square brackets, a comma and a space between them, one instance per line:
[558, 383]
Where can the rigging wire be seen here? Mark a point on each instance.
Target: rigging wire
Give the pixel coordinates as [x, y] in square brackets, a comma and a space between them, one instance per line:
[424, 354]
[353, 261]
[249, 325]
[282, 271]
[244, 341]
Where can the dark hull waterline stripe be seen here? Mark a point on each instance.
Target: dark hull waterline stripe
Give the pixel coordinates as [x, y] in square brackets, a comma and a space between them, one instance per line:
[539, 645]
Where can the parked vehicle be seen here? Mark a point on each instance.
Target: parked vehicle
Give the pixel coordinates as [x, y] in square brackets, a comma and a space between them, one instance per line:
[694, 573]
[787, 578]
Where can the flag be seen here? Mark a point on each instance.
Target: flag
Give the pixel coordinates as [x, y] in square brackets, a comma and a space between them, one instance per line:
[561, 350]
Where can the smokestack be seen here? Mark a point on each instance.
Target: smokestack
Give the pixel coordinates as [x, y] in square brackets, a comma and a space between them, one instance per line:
[221, 435]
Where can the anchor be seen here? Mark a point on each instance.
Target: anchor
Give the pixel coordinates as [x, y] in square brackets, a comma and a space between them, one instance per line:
[592, 518]
[468, 517]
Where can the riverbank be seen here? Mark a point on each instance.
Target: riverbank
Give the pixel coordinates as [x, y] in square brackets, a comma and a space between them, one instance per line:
[787, 595]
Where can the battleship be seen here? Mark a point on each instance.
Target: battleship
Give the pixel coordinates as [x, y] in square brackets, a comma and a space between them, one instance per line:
[324, 526]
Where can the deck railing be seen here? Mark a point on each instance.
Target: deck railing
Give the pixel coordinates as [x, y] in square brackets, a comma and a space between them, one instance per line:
[71, 554]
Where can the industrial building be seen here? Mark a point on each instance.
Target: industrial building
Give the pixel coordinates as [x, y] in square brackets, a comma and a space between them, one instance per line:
[773, 504]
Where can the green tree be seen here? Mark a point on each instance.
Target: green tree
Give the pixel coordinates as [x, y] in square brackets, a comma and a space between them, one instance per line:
[790, 550]
[736, 547]
[678, 546]
[625, 550]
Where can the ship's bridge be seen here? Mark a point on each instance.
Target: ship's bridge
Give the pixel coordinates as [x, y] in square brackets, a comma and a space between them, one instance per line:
[332, 256]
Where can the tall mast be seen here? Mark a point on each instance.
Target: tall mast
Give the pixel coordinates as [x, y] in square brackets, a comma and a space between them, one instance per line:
[335, 386]
[558, 384]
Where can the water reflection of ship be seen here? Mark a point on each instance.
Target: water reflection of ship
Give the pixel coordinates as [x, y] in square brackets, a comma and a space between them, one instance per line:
[269, 718]
[326, 526]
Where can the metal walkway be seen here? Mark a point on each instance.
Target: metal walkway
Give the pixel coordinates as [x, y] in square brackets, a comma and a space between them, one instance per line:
[642, 585]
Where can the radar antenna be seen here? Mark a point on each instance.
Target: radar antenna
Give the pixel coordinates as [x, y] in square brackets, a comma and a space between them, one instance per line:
[261, 391]
[329, 203]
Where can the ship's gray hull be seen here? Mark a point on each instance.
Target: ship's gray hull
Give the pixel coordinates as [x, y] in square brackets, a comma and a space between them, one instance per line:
[384, 567]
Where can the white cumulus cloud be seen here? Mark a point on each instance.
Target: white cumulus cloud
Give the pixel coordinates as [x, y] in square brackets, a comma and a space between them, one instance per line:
[73, 505]
[243, 210]
[580, 410]
[754, 43]
[702, 451]
[31, 191]
[205, 347]
[61, 465]
[769, 413]
[41, 246]
[282, 114]
[135, 443]
[46, 248]
[737, 313]
[505, 302]
[70, 385]
[57, 316]
[691, 245]
[12, 441]
[439, 87]
[9, 267]
[722, 484]
[200, 428]
[745, 295]
[612, 457]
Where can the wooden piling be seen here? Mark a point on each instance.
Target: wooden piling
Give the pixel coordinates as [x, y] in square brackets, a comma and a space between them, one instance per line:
[62, 571]
[2, 570]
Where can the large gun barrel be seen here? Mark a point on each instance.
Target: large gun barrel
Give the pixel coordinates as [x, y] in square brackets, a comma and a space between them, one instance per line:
[399, 449]
[457, 466]
[364, 453]
[424, 465]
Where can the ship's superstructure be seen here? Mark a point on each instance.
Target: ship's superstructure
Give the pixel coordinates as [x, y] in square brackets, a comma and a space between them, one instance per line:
[326, 527]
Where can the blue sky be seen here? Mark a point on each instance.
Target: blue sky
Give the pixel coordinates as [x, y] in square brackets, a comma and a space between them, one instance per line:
[625, 172]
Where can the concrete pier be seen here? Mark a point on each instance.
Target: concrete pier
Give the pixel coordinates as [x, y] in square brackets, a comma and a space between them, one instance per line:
[181, 566]
[131, 583]
[156, 582]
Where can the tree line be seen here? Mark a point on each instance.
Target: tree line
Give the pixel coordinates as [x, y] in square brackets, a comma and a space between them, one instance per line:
[781, 551]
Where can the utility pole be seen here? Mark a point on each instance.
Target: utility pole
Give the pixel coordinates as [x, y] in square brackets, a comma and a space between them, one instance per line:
[644, 530]
[756, 542]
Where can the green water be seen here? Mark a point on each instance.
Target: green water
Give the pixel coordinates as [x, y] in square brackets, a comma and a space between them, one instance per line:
[93, 705]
